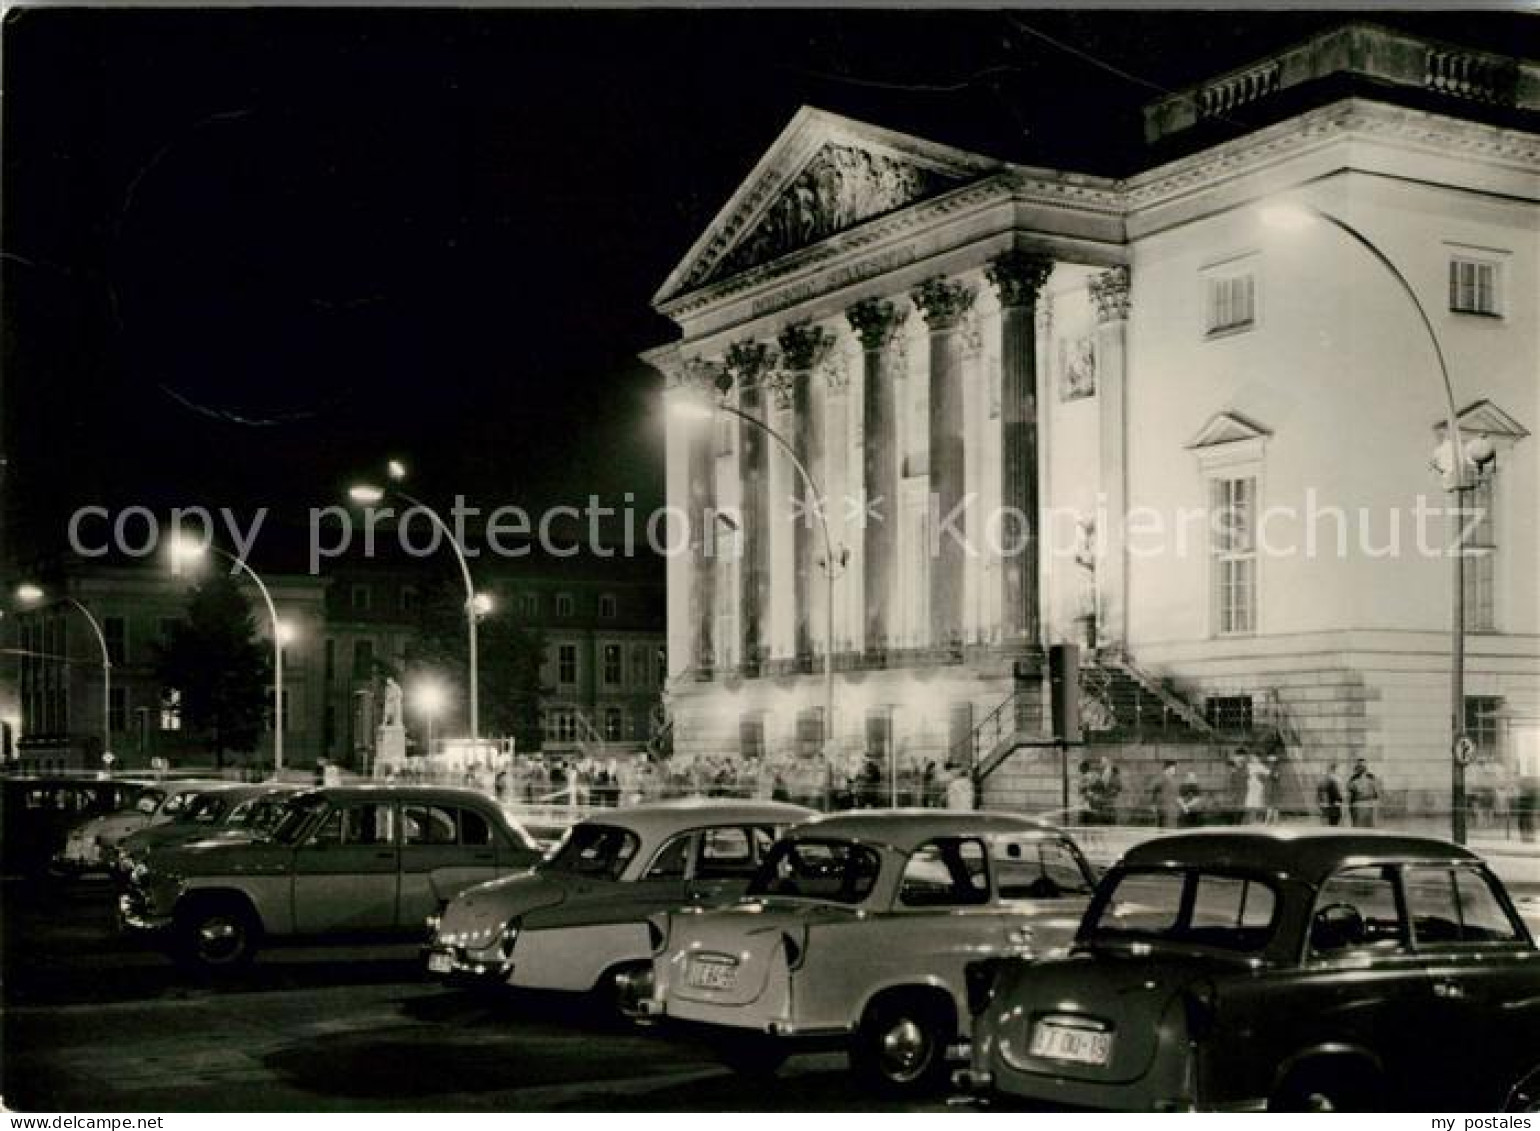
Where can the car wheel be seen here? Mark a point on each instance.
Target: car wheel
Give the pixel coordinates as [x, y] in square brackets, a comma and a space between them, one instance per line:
[750, 1054]
[622, 987]
[217, 936]
[1338, 1088]
[900, 1046]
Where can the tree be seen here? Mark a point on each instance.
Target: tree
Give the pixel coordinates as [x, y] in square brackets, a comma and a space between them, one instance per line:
[219, 667]
[509, 657]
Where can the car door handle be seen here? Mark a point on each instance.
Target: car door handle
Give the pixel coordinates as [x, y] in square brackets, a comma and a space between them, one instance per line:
[1448, 990]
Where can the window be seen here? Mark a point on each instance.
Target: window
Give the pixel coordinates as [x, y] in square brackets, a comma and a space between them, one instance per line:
[809, 731]
[669, 863]
[363, 659]
[1028, 867]
[564, 604]
[612, 664]
[833, 870]
[724, 853]
[529, 604]
[1232, 524]
[474, 829]
[607, 606]
[1231, 303]
[945, 873]
[561, 726]
[359, 598]
[1357, 909]
[171, 709]
[1482, 714]
[115, 632]
[614, 724]
[357, 824]
[1455, 905]
[428, 824]
[1480, 553]
[1473, 286]
[117, 709]
[1228, 712]
[566, 663]
[751, 738]
[594, 850]
[1229, 904]
[1219, 910]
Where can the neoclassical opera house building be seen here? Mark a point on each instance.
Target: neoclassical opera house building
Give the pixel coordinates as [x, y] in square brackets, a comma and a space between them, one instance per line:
[1184, 418]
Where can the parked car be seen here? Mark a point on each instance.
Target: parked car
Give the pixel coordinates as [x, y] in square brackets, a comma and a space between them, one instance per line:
[91, 845]
[857, 932]
[1289, 970]
[37, 813]
[345, 860]
[580, 918]
[226, 813]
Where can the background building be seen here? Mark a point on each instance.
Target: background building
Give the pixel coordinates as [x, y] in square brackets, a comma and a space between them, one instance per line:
[942, 337]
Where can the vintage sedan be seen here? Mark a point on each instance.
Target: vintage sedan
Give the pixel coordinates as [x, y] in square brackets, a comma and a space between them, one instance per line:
[38, 812]
[580, 918]
[345, 861]
[1294, 970]
[227, 813]
[91, 846]
[857, 933]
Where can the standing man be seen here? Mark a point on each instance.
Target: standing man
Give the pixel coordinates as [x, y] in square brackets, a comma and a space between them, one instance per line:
[1363, 793]
[1165, 798]
[1329, 795]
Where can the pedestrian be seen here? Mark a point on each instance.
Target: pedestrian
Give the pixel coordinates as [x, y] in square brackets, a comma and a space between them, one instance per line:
[1329, 795]
[1085, 789]
[1190, 798]
[1165, 797]
[1272, 786]
[1236, 785]
[959, 791]
[1363, 793]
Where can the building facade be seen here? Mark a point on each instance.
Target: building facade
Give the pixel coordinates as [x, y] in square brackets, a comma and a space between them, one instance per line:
[1184, 417]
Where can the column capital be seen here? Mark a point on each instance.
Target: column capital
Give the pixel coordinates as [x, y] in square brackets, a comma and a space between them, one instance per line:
[1109, 291]
[942, 302]
[1019, 275]
[876, 321]
[697, 375]
[803, 345]
[749, 362]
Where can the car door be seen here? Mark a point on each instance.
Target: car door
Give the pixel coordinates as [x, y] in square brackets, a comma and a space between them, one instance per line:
[347, 872]
[444, 850]
[1485, 983]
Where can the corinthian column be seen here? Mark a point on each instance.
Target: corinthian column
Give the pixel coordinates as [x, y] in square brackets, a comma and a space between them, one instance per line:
[1019, 276]
[943, 304]
[802, 346]
[749, 362]
[1109, 293]
[697, 379]
[876, 322]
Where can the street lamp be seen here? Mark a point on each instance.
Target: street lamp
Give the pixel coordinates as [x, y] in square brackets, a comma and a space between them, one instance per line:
[477, 605]
[29, 593]
[429, 697]
[1460, 463]
[693, 410]
[186, 549]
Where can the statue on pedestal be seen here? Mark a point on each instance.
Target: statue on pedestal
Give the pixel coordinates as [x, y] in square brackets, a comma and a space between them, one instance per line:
[391, 715]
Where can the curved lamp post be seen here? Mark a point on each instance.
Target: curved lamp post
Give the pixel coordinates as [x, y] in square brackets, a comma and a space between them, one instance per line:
[692, 410]
[185, 549]
[31, 594]
[476, 605]
[1293, 216]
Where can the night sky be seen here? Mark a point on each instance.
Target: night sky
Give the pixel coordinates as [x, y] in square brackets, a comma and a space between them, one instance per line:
[252, 253]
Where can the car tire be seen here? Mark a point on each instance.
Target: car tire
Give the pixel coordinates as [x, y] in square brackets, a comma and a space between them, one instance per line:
[900, 1046]
[751, 1054]
[216, 936]
[613, 998]
[1328, 1088]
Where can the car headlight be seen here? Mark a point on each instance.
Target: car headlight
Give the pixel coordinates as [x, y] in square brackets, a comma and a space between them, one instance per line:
[510, 936]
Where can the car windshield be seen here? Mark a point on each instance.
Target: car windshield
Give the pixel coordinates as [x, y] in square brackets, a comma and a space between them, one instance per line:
[203, 809]
[149, 800]
[600, 851]
[1190, 907]
[296, 818]
[837, 871]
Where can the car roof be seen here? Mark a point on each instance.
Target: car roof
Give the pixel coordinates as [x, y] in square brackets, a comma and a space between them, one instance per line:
[427, 794]
[660, 818]
[1310, 854]
[907, 829]
[244, 791]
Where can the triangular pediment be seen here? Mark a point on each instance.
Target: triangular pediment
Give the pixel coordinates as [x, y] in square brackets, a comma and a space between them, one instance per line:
[1227, 428]
[825, 174]
[1483, 418]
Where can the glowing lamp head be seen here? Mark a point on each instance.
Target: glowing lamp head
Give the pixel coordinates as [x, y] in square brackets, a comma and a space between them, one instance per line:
[429, 696]
[186, 549]
[366, 494]
[396, 469]
[285, 632]
[482, 604]
[29, 592]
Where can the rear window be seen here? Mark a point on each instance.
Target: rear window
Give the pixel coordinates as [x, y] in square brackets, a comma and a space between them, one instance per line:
[1189, 907]
[833, 870]
[601, 851]
[1037, 867]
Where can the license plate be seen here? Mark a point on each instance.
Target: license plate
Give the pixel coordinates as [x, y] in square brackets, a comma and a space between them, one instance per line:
[712, 975]
[1072, 1043]
[440, 963]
